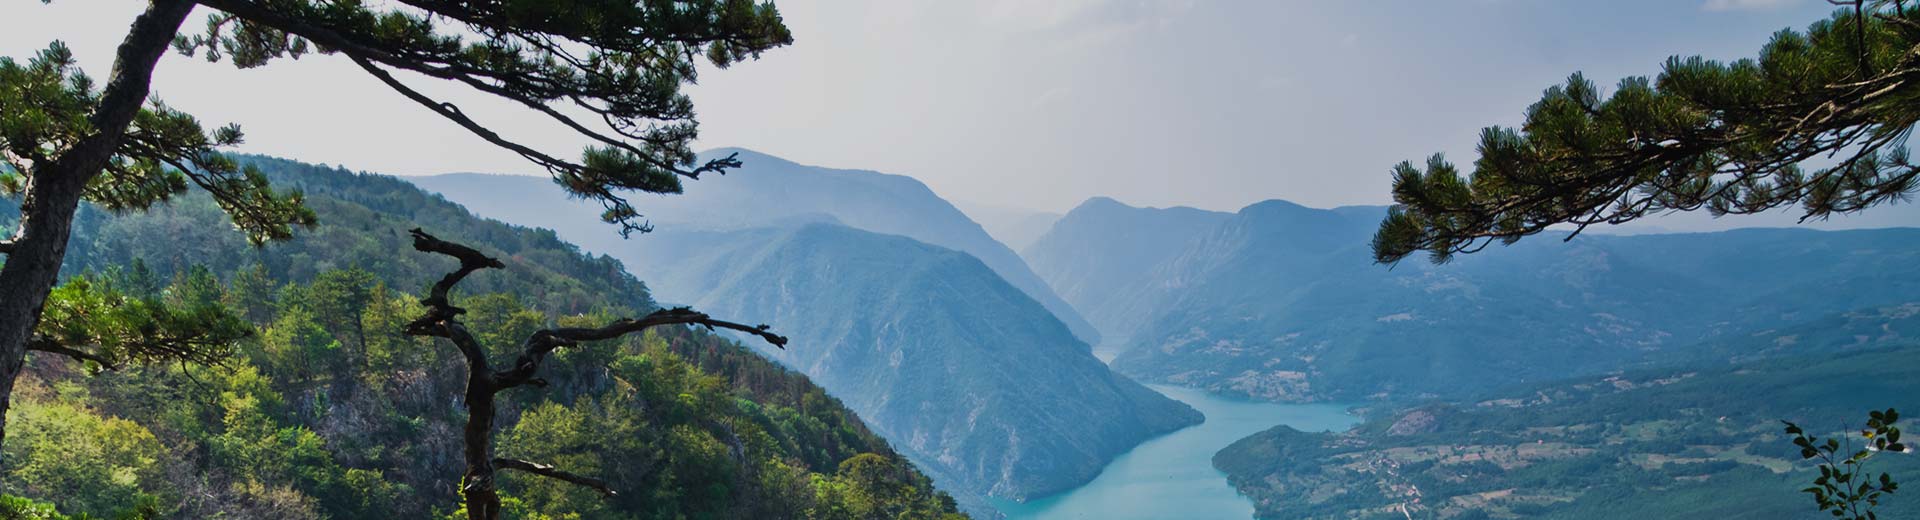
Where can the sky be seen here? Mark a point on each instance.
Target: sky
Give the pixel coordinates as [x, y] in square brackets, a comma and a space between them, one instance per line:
[1027, 104]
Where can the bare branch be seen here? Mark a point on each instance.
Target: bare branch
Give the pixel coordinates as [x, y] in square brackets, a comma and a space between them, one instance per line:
[50, 346]
[550, 472]
[453, 113]
[483, 382]
[438, 310]
[545, 342]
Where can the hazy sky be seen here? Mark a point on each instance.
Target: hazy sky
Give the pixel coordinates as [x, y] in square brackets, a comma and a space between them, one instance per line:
[1030, 103]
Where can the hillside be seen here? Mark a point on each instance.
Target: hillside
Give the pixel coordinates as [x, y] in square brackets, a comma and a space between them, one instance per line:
[330, 412]
[1694, 442]
[1103, 257]
[766, 190]
[964, 372]
[1283, 302]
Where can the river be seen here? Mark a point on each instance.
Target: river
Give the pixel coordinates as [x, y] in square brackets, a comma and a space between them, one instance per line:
[1172, 476]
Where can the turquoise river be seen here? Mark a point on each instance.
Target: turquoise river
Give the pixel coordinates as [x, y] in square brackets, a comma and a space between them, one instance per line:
[1172, 476]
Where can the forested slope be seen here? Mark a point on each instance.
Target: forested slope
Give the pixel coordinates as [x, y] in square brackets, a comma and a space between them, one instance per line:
[330, 412]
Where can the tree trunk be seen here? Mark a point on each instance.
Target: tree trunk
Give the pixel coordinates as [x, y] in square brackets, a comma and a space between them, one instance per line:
[483, 500]
[54, 190]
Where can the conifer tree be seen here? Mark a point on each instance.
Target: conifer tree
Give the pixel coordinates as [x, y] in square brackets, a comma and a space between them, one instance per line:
[609, 70]
[1819, 120]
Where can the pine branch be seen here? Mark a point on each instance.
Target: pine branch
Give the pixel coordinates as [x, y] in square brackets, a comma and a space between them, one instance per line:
[43, 344]
[550, 472]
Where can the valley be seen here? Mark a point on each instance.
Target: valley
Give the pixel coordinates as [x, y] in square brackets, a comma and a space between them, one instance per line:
[883, 260]
[1181, 297]
[1171, 476]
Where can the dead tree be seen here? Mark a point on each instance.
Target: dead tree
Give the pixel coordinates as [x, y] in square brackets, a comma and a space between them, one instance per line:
[485, 381]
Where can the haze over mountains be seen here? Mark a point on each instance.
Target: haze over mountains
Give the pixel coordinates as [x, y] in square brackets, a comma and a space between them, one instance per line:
[895, 302]
[1103, 257]
[928, 345]
[769, 190]
[1015, 227]
[1283, 302]
[916, 325]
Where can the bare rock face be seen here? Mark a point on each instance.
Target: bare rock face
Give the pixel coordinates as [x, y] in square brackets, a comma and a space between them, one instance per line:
[1414, 423]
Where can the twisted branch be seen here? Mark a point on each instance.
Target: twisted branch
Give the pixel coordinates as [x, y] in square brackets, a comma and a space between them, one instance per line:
[546, 341]
[483, 382]
[550, 472]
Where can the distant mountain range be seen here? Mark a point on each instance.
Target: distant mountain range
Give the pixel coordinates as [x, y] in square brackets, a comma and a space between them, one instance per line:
[768, 190]
[1283, 302]
[1015, 227]
[1104, 258]
[943, 353]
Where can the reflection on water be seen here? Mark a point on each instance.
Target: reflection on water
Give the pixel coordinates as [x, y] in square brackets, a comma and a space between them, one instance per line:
[1172, 476]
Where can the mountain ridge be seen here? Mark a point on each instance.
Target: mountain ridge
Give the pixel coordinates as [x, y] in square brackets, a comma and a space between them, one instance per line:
[1283, 302]
[767, 190]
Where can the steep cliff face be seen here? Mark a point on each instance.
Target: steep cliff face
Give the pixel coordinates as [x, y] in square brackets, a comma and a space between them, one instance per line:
[965, 373]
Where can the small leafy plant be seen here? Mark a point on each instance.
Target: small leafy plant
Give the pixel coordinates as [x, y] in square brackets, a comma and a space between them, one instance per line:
[1845, 487]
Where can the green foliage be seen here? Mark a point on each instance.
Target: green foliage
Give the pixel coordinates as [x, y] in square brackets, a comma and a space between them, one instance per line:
[124, 317]
[1835, 489]
[331, 412]
[1729, 137]
[623, 62]
[47, 103]
[17, 508]
[292, 423]
[363, 221]
[94, 464]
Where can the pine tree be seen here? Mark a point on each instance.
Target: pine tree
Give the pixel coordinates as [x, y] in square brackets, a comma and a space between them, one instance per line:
[1730, 138]
[64, 139]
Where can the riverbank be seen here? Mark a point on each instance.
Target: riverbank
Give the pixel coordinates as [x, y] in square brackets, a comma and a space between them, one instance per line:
[1172, 476]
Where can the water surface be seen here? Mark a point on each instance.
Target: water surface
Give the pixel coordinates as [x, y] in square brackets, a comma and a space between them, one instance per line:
[1172, 477]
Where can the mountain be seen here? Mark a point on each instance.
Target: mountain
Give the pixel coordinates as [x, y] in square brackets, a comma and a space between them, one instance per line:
[1056, 413]
[1015, 227]
[1283, 302]
[1678, 442]
[331, 411]
[766, 190]
[963, 371]
[1102, 256]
